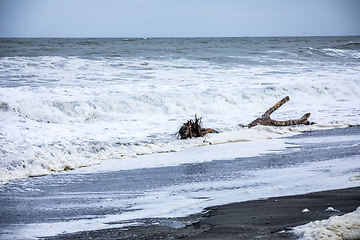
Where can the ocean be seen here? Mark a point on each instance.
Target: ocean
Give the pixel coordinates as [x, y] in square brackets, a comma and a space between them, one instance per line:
[97, 105]
[69, 103]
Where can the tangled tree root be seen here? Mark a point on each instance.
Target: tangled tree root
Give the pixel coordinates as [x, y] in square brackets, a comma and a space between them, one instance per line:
[193, 128]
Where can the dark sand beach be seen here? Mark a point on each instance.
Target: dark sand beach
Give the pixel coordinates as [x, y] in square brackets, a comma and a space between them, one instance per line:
[270, 218]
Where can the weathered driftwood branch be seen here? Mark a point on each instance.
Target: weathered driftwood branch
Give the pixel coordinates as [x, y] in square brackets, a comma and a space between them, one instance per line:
[265, 119]
[193, 128]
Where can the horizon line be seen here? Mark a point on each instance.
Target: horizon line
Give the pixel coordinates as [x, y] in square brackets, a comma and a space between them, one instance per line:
[279, 36]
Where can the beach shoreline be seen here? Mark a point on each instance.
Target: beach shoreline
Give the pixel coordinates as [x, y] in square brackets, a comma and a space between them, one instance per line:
[271, 218]
[88, 135]
[261, 197]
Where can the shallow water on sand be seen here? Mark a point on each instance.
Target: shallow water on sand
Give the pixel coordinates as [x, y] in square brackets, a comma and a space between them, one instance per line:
[99, 197]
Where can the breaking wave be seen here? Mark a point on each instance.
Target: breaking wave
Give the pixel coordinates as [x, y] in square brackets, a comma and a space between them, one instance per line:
[345, 53]
[349, 46]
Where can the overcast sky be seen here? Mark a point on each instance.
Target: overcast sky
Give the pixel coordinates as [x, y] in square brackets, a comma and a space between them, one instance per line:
[178, 18]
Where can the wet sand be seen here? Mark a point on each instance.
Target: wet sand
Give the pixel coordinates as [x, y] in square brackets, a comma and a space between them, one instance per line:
[270, 218]
[60, 198]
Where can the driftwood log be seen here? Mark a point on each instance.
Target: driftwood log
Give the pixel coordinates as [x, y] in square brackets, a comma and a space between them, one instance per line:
[265, 119]
[193, 128]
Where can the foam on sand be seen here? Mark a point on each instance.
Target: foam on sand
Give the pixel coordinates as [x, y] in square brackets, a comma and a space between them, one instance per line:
[337, 227]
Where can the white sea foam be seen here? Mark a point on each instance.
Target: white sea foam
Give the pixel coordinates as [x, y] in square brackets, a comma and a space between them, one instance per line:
[43, 159]
[47, 129]
[345, 227]
[64, 112]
